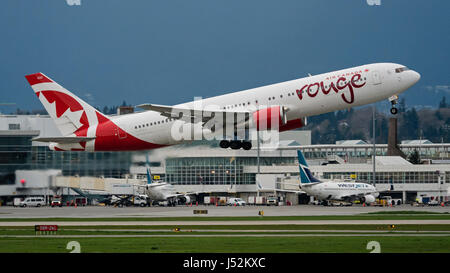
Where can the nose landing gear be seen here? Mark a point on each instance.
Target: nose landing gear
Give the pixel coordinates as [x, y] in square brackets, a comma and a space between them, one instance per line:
[393, 101]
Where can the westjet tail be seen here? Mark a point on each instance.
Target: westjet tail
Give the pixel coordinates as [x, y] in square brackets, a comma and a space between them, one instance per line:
[305, 174]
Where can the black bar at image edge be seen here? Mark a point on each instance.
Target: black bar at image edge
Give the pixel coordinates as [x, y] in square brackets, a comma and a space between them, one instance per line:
[224, 262]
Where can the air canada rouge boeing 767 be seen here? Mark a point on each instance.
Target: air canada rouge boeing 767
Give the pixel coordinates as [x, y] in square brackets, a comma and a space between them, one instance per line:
[229, 118]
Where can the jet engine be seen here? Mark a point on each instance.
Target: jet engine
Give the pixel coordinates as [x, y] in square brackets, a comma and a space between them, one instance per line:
[270, 118]
[275, 118]
[368, 199]
[185, 199]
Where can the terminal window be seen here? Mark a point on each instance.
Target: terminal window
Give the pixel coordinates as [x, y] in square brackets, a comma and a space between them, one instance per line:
[14, 126]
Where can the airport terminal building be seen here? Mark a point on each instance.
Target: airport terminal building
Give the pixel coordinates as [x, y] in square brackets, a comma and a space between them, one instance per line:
[30, 168]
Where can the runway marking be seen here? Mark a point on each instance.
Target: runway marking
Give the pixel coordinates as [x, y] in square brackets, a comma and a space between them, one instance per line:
[208, 223]
[225, 235]
[261, 230]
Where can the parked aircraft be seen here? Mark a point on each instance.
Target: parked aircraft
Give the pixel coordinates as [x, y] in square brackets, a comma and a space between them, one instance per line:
[332, 190]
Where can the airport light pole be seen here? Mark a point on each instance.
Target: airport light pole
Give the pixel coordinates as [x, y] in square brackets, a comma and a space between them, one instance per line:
[373, 141]
[257, 159]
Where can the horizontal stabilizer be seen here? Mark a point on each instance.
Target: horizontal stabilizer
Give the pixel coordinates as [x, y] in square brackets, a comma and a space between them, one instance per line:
[63, 140]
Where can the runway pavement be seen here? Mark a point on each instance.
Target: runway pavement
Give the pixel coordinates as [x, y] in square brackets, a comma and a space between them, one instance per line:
[183, 211]
[209, 223]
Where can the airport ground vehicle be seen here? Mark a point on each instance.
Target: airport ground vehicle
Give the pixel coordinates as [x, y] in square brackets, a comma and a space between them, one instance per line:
[235, 202]
[36, 201]
[129, 200]
[16, 201]
[272, 201]
[57, 201]
[339, 203]
[140, 200]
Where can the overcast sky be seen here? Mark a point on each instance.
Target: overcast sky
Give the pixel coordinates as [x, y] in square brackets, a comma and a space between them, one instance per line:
[170, 51]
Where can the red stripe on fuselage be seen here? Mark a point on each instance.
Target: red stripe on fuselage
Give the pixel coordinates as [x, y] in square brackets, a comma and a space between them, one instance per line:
[107, 138]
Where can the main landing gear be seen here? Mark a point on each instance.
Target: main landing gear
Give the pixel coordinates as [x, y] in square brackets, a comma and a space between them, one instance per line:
[393, 101]
[235, 144]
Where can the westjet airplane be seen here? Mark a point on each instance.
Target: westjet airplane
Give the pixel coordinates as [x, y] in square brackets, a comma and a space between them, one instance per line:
[331, 190]
[229, 118]
[162, 191]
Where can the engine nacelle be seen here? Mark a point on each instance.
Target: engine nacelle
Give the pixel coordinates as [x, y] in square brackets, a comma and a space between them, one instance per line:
[368, 199]
[275, 118]
[185, 199]
[269, 118]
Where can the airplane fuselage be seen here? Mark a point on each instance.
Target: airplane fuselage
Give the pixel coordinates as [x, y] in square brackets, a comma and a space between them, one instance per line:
[300, 98]
[338, 190]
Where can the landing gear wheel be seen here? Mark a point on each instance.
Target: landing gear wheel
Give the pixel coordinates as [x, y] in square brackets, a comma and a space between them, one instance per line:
[246, 145]
[235, 144]
[224, 144]
[393, 99]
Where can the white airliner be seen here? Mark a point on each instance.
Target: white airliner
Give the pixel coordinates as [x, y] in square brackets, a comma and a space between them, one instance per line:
[162, 191]
[331, 190]
[277, 107]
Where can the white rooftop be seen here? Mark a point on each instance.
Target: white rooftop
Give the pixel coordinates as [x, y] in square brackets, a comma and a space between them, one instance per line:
[417, 142]
[350, 142]
[391, 161]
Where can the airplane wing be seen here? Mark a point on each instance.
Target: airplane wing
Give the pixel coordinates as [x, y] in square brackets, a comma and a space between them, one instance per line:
[281, 190]
[63, 140]
[197, 115]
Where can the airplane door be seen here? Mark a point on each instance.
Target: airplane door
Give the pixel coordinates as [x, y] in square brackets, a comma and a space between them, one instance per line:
[376, 78]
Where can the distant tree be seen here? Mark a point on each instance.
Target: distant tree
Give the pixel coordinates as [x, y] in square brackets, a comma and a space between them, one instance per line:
[438, 114]
[414, 157]
[340, 115]
[410, 125]
[402, 105]
[443, 103]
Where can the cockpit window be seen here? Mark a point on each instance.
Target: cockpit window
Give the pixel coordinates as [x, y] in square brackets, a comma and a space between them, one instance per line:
[401, 69]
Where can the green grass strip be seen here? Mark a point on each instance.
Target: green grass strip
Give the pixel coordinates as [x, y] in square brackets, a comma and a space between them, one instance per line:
[229, 245]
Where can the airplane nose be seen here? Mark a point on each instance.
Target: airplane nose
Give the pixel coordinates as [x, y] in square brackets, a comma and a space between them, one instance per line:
[415, 76]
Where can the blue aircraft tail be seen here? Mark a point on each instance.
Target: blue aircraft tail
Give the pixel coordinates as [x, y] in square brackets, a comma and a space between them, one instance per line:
[147, 165]
[305, 174]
